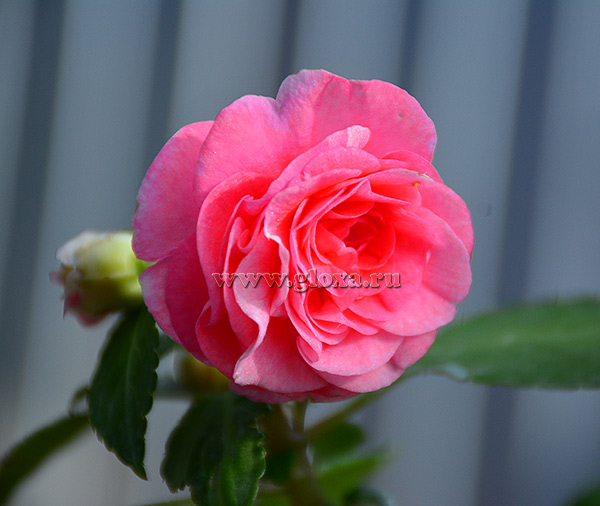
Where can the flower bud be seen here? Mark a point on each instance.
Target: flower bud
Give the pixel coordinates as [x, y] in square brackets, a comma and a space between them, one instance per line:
[99, 273]
[199, 377]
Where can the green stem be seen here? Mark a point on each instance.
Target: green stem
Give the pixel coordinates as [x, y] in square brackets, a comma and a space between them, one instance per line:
[360, 402]
[167, 389]
[302, 488]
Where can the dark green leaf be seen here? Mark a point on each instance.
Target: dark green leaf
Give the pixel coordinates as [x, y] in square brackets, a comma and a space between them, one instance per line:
[78, 403]
[551, 345]
[347, 475]
[274, 500]
[590, 498]
[217, 451]
[166, 345]
[120, 395]
[279, 466]
[365, 497]
[335, 442]
[27, 456]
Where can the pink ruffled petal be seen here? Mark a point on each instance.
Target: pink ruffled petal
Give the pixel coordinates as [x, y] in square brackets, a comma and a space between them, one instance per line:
[415, 162]
[413, 348]
[253, 134]
[339, 150]
[153, 281]
[218, 343]
[280, 211]
[185, 294]
[276, 364]
[396, 120]
[215, 221]
[423, 312]
[259, 134]
[255, 301]
[167, 210]
[450, 208]
[374, 380]
[357, 354]
[328, 393]
[448, 270]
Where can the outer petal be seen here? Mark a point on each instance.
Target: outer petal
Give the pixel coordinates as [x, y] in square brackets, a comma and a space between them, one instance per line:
[410, 350]
[276, 364]
[413, 348]
[258, 134]
[357, 354]
[185, 294]
[449, 207]
[167, 211]
[326, 394]
[153, 281]
[368, 382]
[396, 120]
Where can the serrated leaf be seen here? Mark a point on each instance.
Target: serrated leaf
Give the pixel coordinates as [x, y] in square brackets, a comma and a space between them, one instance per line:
[335, 442]
[121, 391]
[347, 475]
[550, 345]
[217, 451]
[27, 456]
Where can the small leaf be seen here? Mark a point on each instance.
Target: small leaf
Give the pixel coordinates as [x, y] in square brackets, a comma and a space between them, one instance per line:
[336, 441]
[217, 451]
[26, 457]
[120, 395]
[550, 345]
[345, 476]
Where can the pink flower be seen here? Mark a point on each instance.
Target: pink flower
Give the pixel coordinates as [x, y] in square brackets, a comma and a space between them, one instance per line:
[332, 177]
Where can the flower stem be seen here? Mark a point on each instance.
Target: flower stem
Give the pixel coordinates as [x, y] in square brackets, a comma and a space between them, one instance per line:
[354, 406]
[302, 487]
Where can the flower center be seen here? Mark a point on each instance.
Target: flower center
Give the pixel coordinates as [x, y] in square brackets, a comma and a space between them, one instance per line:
[362, 231]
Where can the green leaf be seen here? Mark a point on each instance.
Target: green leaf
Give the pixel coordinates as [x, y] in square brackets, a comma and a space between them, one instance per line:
[274, 500]
[217, 451]
[346, 475]
[365, 497]
[78, 403]
[280, 465]
[166, 345]
[27, 456]
[590, 498]
[550, 345]
[336, 441]
[120, 395]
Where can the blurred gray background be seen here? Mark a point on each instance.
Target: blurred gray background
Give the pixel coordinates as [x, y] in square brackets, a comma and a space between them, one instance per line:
[90, 91]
